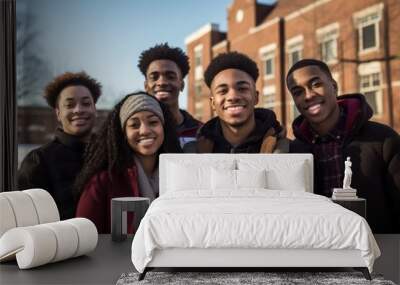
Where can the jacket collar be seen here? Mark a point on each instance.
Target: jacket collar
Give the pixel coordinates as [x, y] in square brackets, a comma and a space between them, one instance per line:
[264, 119]
[356, 113]
[73, 142]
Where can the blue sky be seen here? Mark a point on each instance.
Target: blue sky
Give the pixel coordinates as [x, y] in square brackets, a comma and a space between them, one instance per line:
[105, 37]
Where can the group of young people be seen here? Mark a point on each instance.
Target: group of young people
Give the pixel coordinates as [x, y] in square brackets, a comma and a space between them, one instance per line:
[84, 171]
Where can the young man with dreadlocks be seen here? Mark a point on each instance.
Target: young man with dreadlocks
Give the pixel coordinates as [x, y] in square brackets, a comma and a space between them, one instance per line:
[54, 166]
[123, 160]
[239, 127]
[333, 128]
[164, 69]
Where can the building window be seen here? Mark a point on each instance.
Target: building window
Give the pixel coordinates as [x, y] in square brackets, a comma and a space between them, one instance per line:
[294, 48]
[370, 86]
[267, 56]
[269, 65]
[198, 62]
[197, 58]
[295, 56]
[367, 23]
[327, 39]
[197, 90]
[269, 97]
[336, 77]
[295, 112]
[198, 100]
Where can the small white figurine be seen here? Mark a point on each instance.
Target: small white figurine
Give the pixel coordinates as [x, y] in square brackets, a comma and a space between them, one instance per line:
[347, 174]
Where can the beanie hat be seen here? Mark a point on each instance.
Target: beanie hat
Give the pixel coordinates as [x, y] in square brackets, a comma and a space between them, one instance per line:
[137, 102]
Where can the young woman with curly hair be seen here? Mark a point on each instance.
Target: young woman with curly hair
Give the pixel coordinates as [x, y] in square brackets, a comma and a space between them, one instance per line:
[123, 160]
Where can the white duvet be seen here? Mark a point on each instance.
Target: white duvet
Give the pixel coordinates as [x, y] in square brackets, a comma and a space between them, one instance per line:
[250, 219]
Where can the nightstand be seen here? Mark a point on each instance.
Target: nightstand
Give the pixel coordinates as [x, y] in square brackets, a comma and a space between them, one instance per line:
[358, 205]
[119, 208]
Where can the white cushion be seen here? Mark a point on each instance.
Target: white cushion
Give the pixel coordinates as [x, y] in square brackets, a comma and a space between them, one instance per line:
[230, 180]
[7, 218]
[45, 205]
[23, 208]
[40, 244]
[282, 174]
[67, 239]
[223, 179]
[292, 179]
[188, 176]
[87, 235]
[251, 178]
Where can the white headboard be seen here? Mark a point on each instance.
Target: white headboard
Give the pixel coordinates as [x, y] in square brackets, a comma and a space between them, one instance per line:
[284, 164]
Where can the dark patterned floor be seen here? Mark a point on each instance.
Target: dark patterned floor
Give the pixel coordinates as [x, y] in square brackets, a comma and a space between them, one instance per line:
[269, 278]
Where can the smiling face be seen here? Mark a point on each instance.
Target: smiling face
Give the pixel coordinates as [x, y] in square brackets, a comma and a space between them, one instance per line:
[145, 133]
[314, 93]
[233, 97]
[76, 110]
[164, 81]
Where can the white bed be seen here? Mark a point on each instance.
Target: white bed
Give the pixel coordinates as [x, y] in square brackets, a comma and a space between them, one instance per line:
[247, 210]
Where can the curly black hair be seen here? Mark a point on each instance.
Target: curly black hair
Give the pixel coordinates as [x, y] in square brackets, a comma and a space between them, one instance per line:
[109, 149]
[54, 88]
[229, 60]
[164, 51]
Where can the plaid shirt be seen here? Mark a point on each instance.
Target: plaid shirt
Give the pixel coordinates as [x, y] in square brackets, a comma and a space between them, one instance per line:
[328, 156]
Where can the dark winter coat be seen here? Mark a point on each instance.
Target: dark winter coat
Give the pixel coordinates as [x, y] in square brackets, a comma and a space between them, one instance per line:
[187, 131]
[54, 167]
[374, 149]
[263, 139]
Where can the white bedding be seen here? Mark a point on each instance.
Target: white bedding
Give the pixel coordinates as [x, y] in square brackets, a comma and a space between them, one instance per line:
[253, 218]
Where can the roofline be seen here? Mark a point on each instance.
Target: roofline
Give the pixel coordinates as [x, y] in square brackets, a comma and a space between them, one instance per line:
[201, 32]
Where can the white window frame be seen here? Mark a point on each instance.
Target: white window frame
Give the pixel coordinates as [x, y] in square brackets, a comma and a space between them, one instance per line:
[294, 44]
[268, 91]
[368, 69]
[294, 113]
[267, 53]
[198, 69]
[326, 34]
[336, 77]
[369, 16]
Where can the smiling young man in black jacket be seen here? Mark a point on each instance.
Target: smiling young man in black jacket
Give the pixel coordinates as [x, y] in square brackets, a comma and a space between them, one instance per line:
[55, 165]
[239, 127]
[333, 128]
[164, 69]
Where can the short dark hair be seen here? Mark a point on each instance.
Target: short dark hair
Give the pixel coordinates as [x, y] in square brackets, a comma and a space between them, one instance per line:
[54, 88]
[307, 62]
[229, 60]
[164, 51]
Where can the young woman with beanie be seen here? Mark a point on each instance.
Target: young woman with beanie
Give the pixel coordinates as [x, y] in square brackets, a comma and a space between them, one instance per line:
[123, 160]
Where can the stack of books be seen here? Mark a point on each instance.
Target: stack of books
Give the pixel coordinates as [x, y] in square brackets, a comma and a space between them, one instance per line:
[344, 194]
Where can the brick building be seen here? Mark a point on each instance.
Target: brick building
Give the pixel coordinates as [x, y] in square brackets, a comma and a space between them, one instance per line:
[358, 39]
[36, 124]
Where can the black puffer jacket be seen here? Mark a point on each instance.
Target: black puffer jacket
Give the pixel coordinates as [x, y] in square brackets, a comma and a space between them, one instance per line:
[211, 138]
[54, 167]
[375, 154]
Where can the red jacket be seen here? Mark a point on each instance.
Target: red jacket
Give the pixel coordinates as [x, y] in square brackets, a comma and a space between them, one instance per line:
[95, 201]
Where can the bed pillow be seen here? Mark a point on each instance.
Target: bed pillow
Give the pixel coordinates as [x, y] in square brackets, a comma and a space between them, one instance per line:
[251, 178]
[187, 176]
[292, 179]
[222, 179]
